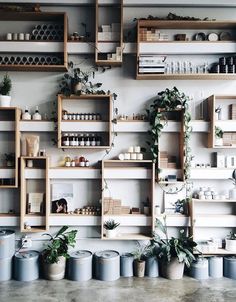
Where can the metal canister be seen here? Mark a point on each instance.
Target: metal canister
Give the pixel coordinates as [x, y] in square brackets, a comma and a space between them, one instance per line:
[216, 267]
[151, 267]
[230, 267]
[107, 265]
[80, 266]
[126, 265]
[5, 268]
[7, 243]
[26, 266]
[199, 269]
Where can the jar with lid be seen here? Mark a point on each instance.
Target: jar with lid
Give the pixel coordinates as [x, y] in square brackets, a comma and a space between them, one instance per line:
[74, 116]
[69, 116]
[76, 161]
[87, 140]
[201, 194]
[98, 116]
[90, 117]
[82, 116]
[94, 116]
[67, 161]
[65, 140]
[82, 161]
[86, 163]
[86, 116]
[76, 143]
[71, 139]
[78, 116]
[93, 140]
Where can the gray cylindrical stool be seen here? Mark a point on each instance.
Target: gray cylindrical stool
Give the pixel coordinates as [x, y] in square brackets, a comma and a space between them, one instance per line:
[107, 265]
[7, 243]
[216, 267]
[199, 269]
[80, 266]
[26, 266]
[5, 269]
[126, 265]
[230, 267]
[151, 267]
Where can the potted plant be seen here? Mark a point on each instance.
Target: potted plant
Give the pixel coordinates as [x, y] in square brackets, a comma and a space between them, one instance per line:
[55, 254]
[218, 136]
[5, 89]
[111, 228]
[230, 242]
[139, 259]
[173, 252]
[10, 159]
[232, 192]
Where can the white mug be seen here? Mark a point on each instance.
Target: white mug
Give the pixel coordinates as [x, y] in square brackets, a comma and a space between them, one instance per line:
[9, 36]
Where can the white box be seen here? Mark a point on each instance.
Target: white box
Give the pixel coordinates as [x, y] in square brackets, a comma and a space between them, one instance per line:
[100, 36]
[106, 28]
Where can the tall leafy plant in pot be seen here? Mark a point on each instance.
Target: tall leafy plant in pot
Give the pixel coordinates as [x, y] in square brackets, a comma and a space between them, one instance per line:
[173, 252]
[5, 89]
[140, 253]
[55, 254]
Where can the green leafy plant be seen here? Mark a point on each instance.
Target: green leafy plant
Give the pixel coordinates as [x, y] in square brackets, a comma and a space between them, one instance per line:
[59, 245]
[168, 248]
[142, 251]
[218, 132]
[181, 205]
[167, 101]
[111, 224]
[6, 85]
[231, 236]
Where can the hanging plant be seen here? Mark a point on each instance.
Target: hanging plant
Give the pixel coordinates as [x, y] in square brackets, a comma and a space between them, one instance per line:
[168, 101]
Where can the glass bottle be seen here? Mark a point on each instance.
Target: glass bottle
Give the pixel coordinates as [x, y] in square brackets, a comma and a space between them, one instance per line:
[26, 115]
[37, 116]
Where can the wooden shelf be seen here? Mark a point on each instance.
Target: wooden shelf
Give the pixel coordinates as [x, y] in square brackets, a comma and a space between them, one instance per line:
[129, 237]
[206, 76]
[217, 252]
[49, 68]
[214, 200]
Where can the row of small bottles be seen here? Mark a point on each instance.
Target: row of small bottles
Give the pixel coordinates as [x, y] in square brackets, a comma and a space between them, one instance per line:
[27, 116]
[75, 139]
[81, 116]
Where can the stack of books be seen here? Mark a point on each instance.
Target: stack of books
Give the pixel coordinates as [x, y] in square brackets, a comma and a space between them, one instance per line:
[151, 64]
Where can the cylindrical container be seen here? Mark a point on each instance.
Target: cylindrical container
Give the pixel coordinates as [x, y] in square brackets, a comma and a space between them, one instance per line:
[133, 156]
[9, 36]
[230, 267]
[15, 36]
[80, 266]
[121, 156]
[199, 269]
[21, 36]
[5, 269]
[7, 243]
[24, 60]
[151, 267]
[126, 265]
[6, 60]
[127, 156]
[216, 267]
[27, 36]
[107, 265]
[26, 266]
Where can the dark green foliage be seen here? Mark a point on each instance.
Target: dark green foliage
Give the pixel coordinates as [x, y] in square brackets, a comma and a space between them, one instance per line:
[218, 132]
[59, 245]
[6, 85]
[111, 224]
[142, 251]
[166, 249]
[231, 236]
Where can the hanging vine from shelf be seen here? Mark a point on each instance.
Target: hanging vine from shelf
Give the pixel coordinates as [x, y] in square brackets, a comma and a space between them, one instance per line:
[167, 101]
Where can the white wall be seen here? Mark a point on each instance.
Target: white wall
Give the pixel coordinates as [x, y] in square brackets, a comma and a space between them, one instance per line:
[35, 88]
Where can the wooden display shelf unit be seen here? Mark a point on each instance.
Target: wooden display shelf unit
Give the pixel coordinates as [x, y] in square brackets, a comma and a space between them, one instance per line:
[148, 42]
[33, 17]
[114, 56]
[11, 114]
[147, 230]
[26, 188]
[101, 104]
[226, 124]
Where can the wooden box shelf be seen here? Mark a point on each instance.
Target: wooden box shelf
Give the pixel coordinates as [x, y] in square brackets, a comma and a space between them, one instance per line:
[86, 133]
[132, 226]
[9, 132]
[42, 53]
[156, 41]
[34, 221]
[111, 34]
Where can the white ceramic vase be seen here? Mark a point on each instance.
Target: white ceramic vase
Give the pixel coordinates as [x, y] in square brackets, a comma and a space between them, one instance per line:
[5, 100]
[230, 245]
[218, 141]
[111, 233]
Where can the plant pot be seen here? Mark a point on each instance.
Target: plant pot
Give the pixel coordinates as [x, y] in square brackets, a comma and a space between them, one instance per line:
[139, 268]
[232, 193]
[5, 100]
[218, 141]
[172, 270]
[151, 267]
[230, 245]
[55, 271]
[111, 233]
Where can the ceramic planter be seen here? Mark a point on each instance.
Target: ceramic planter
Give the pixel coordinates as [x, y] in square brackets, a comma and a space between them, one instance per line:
[55, 271]
[111, 233]
[172, 270]
[139, 268]
[5, 100]
[230, 245]
[218, 141]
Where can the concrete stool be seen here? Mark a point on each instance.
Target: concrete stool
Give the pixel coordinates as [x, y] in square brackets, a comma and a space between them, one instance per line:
[230, 267]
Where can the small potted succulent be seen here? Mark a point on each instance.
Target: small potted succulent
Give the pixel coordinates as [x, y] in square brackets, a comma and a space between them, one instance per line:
[111, 228]
[5, 89]
[218, 136]
[55, 254]
[230, 242]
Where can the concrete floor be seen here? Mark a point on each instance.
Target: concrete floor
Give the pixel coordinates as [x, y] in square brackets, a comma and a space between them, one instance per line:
[124, 289]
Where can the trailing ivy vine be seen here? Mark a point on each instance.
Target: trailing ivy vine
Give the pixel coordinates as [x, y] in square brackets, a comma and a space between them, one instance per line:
[167, 101]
